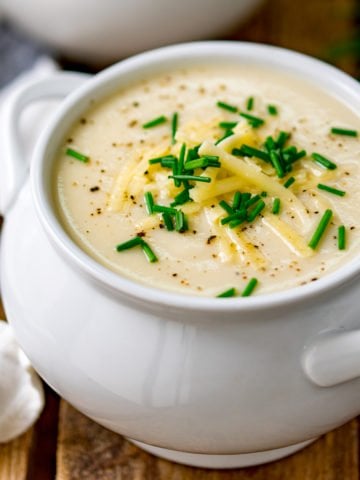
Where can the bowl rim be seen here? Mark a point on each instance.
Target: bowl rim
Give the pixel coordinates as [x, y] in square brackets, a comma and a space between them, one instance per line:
[327, 77]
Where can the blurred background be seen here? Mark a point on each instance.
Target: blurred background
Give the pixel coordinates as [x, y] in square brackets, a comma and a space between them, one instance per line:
[87, 35]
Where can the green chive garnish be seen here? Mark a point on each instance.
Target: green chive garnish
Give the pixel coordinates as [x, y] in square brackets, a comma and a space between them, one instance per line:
[162, 159]
[228, 293]
[234, 216]
[341, 238]
[156, 121]
[248, 151]
[252, 200]
[282, 139]
[202, 163]
[180, 221]
[181, 198]
[289, 182]
[79, 156]
[138, 241]
[174, 125]
[333, 190]
[129, 244]
[168, 221]
[249, 287]
[272, 110]
[149, 202]
[195, 178]
[254, 122]
[228, 125]
[226, 106]
[275, 160]
[250, 103]
[344, 131]
[255, 211]
[325, 162]
[228, 133]
[149, 254]
[276, 206]
[228, 209]
[163, 209]
[236, 200]
[315, 239]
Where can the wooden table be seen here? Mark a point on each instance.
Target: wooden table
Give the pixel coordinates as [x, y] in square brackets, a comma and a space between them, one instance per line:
[66, 445]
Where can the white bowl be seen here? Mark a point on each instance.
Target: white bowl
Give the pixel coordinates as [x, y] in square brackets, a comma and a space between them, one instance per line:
[197, 380]
[105, 31]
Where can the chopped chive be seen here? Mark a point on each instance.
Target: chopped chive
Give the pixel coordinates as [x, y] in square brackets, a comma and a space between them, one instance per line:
[79, 156]
[181, 198]
[272, 110]
[163, 209]
[226, 106]
[149, 254]
[344, 131]
[250, 103]
[252, 200]
[201, 163]
[169, 163]
[248, 151]
[255, 211]
[192, 153]
[276, 206]
[168, 221]
[180, 221]
[249, 287]
[149, 202]
[245, 197]
[282, 139]
[161, 159]
[275, 160]
[174, 125]
[236, 222]
[231, 292]
[315, 239]
[195, 178]
[236, 200]
[228, 209]
[154, 122]
[333, 190]
[254, 122]
[291, 155]
[325, 162]
[241, 215]
[263, 194]
[228, 125]
[270, 144]
[341, 238]
[289, 182]
[180, 165]
[129, 244]
[227, 134]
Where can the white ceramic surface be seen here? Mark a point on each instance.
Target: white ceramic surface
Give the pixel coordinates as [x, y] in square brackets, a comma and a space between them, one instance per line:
[107, 30]
[197, 375]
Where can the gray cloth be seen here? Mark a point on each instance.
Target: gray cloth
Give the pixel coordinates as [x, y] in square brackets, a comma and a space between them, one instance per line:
[17, 52]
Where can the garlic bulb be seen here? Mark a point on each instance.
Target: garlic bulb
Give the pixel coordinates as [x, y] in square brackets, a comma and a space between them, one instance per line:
[21, 390]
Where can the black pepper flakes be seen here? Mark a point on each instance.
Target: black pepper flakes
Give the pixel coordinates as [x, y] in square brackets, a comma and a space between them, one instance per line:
[210, 239]
[94, 189]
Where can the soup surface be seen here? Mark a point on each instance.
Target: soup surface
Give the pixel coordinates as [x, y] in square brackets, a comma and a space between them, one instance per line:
[216, 175]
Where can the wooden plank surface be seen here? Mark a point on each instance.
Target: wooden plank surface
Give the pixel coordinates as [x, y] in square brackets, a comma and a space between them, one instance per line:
[76, 448]
[87, 451]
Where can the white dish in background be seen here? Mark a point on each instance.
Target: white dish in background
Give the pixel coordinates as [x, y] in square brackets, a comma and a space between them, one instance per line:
[245, 380]
[102, 32]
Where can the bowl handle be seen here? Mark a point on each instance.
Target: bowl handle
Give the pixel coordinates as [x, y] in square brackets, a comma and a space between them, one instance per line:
[333, 357]
[12, 163]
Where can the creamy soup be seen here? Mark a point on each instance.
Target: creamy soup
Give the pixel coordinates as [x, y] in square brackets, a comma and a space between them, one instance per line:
[206, 180]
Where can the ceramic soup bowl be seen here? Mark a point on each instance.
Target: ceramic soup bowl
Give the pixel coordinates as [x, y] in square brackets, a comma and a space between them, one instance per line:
[196, 380]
